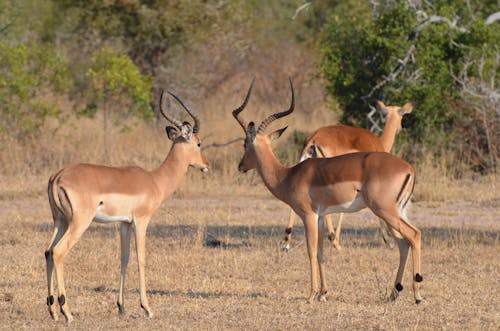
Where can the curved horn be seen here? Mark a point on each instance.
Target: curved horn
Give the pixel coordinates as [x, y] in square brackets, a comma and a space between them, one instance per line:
[172, 120]
[195, 117]
[238, 110]
[273, 117]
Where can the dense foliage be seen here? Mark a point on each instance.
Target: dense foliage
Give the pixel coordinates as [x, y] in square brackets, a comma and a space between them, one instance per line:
[428, 54]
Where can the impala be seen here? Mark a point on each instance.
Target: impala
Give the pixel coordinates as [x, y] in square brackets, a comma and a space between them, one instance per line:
[347, 183]
[82, 193]
[334, 140]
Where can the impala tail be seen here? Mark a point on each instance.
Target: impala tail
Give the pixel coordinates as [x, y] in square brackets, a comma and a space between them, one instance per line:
[406, 193]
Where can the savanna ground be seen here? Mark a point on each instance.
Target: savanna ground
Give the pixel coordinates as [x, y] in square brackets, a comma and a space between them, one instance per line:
[214, 262]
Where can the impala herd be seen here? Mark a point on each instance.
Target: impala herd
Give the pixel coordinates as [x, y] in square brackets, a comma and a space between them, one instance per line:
[342, 170]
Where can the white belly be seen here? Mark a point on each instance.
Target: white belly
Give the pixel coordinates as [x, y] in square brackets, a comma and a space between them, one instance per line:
[101, 217]
[347, 207]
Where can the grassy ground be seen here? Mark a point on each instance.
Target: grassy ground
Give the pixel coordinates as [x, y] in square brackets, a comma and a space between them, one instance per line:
[215, 263]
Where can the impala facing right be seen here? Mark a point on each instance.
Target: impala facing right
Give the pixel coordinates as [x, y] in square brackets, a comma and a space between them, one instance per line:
[348, 183]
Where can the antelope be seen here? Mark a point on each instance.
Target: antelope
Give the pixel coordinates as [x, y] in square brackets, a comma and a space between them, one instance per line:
[82, 193]
[347, 183]
[334, 140]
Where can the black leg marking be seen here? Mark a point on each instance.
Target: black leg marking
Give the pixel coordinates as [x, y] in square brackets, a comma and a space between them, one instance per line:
[121, 309]
[331, 236]
[399, 287]
[288, 230]
[48, 254]
[418, 278]
[50, 300]
[61, 300]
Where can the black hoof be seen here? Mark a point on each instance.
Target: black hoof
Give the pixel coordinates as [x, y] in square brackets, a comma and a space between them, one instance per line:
[418, 301]
[399, 287]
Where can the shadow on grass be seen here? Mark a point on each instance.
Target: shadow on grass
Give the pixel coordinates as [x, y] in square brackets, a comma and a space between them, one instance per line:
[196, 294]
[236, 237]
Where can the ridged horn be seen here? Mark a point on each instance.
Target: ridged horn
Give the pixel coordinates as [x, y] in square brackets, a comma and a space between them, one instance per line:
[191, 113]
[238, 110]
[275, 116]
[172, 120]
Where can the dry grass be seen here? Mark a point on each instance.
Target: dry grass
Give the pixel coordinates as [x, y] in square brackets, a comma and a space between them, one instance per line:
[216, 264]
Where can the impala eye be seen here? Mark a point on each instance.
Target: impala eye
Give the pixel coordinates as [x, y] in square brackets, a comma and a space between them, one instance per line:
[199, 143]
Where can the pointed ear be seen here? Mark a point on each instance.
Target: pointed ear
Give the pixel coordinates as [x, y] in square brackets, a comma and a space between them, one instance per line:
[276, 134]
[406, 109]
[172, 133]
[381, 107]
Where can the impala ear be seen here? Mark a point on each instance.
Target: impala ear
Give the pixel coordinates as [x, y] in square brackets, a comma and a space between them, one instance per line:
[381, 107]
[276, 134]
[406, 109]
[172, 133]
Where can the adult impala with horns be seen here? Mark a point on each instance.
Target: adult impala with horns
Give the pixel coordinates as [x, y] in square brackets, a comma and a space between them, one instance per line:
[320, 186]
[82, 193]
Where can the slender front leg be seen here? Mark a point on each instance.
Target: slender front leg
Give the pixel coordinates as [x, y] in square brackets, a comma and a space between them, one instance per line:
[336, 240]
[140, 242]
[311, 227]
[125, 254]
[288, 231]
[322, 275]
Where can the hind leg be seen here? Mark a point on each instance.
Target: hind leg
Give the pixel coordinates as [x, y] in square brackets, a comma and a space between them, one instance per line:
[414, 237]
[403, 257]
[59, 230]
[75, 230]
[335, 239]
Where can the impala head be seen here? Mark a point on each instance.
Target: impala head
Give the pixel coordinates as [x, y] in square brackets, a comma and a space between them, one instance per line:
[394, 113]
[185, 136]
[256, 138]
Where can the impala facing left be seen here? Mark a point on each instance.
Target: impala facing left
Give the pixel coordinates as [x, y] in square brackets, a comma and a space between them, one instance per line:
[82, 193]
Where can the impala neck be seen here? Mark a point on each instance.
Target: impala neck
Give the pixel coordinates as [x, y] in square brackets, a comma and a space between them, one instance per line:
[391, 129]
[271, 170]
[169, 174]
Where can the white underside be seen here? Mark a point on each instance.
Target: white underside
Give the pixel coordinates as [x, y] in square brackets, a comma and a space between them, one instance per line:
[101, 217]
[347, 207]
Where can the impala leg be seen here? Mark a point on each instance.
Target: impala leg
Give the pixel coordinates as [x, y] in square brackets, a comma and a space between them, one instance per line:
[403, 256]
[288, 231]
[311, 227]
[140, 241]
[68, 240]
[125, 229]
[59, 230]
[336, 240]
[414, 237]
[386, 234]
[322, 275]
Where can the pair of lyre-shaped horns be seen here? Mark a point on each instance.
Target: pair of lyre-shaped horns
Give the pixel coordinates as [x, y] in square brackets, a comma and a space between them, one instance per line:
[265, 123]
[236, 113]
[176, 122]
